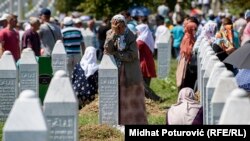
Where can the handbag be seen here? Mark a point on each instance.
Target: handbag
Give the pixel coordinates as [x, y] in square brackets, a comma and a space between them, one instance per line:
[181, 71]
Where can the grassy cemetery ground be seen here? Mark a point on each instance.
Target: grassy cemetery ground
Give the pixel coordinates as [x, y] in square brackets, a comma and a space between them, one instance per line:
[156, 111]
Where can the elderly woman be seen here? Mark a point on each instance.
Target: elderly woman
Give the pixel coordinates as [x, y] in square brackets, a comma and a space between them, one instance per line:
[121, 43]
[187, 110]
[85, 77]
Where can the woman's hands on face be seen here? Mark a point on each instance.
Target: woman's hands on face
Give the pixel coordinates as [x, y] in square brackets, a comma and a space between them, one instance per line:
[117, 27]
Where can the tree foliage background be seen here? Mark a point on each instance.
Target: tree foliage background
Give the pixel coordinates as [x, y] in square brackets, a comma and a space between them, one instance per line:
[237, 6]
[100, 8]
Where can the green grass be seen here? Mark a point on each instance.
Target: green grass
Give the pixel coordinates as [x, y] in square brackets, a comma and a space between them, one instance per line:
[166, 88]
[156, 120]
[86, 119]
[1, 127]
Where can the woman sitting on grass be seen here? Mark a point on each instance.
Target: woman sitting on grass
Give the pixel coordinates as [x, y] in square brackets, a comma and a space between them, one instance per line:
[187, 110]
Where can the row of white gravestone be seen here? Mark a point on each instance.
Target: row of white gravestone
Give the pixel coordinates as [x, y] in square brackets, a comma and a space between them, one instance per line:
[216, 84]
[61, 107]
[14, 79]
[58, 121]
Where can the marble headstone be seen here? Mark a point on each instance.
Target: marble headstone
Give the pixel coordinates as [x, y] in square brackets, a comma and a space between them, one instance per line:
[108, 91]
[8, 84]
[28, 71]
[59, 57]
[26, 121]
[216, 73]
[222, 91]
[61, 109]
[163, 59]
[236, 110]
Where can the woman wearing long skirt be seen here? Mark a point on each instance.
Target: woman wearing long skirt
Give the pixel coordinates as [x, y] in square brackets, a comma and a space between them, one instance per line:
[121, 43]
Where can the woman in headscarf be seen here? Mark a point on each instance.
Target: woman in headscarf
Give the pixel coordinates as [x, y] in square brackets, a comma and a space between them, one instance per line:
[85, 77]
[246, 32]
[145, 44]
[187, 110]
[189, 71]
[207, 34]
[227, 41]
[121, 43]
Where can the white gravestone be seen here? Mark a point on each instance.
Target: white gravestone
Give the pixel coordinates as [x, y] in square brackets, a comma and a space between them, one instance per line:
[8, 84]
[236, 110]
[61, 109]
[59, 57]
[208, 68]
[28, 71]
[26, 121]
[202, 71]
[202, 59]
[163, 59]
[108, 91]
[222, 90]
[201, 49]
[210, 89]
[217, 70]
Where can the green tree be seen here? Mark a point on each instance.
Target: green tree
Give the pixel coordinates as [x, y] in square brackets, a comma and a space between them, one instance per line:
[67, 5]
[100, 8]
[237, 6]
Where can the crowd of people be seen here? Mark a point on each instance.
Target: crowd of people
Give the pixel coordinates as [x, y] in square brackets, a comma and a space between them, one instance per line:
[133, 41]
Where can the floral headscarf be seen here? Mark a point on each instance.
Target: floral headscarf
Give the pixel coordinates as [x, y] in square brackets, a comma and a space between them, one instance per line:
[226, 36]
[208, 31]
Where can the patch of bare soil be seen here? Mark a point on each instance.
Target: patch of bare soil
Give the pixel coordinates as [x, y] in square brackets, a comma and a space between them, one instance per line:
[99, 133]
[153, 108]
[104, 132]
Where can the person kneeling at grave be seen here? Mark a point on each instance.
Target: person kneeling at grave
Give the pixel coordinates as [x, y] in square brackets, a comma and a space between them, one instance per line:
[85, 77]
[187, 110]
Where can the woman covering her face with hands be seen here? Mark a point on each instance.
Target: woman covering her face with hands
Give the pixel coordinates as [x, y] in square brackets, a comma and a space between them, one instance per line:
[121, 43]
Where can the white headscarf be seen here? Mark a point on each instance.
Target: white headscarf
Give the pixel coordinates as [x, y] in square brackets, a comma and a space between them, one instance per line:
[146, 36]
[119, 18]
[88, 61]
[186, 108]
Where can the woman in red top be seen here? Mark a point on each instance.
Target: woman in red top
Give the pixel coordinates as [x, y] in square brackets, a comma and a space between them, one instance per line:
[145, 44]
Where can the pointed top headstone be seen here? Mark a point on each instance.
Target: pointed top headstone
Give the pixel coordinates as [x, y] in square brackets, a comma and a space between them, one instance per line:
[60, 89]
[59, 48]
[108, 62]
[236, 109]
[26, 121]
[28, 57]
[7, 61]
